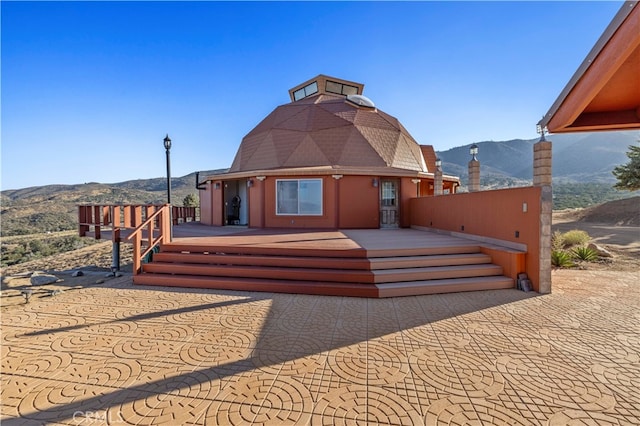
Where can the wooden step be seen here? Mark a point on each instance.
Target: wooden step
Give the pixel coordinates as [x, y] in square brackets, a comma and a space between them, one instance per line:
[263, 260]
[396, 262]
[264, 250]
[330, 275]
[455, 285]
[411, 288]
[253, 284]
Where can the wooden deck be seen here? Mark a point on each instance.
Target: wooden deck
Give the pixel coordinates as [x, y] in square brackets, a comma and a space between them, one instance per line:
[358, 262]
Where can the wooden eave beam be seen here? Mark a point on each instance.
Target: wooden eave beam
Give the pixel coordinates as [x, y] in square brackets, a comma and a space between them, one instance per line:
[602, 66]
[611, 120]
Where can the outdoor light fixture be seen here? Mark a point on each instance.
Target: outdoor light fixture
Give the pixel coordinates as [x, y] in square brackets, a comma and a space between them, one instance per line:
[249, 183]
[541, 131]
[216, 185]
[167, 147]
[439, 161]
[473, 150]
[374, 182]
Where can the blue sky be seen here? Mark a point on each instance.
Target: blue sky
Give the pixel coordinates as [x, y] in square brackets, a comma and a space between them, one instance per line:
[89, 89]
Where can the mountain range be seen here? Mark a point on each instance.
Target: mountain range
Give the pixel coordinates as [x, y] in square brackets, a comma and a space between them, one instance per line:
[577, 158]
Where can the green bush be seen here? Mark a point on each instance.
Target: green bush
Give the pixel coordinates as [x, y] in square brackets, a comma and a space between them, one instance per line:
[561, 259]
[575, 238]
[584, 253]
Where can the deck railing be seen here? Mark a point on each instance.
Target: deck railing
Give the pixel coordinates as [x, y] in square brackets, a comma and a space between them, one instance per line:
[157, 231]
[147, 224]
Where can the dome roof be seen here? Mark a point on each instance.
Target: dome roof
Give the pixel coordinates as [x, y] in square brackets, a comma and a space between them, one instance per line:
[328, 130]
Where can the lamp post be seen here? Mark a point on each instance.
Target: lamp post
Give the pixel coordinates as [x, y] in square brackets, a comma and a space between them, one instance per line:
[167, 147]
[474, 169]
[437, 178]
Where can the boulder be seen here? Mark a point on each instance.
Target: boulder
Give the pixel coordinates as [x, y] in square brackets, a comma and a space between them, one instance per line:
[43, 279]
[77, 274]
[602, 252]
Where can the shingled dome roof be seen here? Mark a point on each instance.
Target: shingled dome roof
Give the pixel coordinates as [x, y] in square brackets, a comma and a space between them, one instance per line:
[325, 128]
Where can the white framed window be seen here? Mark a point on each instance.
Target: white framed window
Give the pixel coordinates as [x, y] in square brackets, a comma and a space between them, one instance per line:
[299, 197]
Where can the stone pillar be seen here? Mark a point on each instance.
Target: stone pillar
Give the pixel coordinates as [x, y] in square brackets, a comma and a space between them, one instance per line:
[474, 175]
[542, 163]
[437, 181]
[542, 178]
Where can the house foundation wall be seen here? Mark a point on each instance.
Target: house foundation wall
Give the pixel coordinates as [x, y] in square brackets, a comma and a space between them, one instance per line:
[511, 215]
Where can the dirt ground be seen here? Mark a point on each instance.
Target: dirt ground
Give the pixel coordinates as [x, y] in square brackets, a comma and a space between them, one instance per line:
[614, 225]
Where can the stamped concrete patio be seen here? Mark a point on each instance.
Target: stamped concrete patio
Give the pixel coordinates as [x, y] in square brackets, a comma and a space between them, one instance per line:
[119, 354]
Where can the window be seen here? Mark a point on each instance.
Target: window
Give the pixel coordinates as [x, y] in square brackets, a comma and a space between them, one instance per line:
[307, 90]
[299, 197]
[388, 194]
[340, 88]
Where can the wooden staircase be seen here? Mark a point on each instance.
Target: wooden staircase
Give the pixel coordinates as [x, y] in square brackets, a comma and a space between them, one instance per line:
[339, 272]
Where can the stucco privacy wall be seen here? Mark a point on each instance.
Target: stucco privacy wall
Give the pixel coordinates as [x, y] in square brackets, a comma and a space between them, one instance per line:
[497, 214]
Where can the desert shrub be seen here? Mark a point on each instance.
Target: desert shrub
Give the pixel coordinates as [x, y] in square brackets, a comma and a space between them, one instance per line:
[561, 259]
[575, 237]
[557, 241]
[37, 246]
[584, 253]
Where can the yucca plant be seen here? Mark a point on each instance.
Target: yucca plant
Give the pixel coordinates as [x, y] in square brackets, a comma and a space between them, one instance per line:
[584, 253]
[561, 259]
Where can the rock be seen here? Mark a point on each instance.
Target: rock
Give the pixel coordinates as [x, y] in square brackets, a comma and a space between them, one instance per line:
[602, 252]
[77, 274]
[118, 274]
[43, 279]
[100, 281]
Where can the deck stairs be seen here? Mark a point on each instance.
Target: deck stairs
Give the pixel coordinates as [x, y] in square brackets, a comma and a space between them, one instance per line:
[354, 272]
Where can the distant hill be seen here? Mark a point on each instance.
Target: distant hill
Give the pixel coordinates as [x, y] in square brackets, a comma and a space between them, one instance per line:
[577, 158]
[53, 208]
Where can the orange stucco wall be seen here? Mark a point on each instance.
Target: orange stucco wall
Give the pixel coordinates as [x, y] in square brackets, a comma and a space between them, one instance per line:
[359, 202]
[217, 204]
[495, 214]
[206, 216]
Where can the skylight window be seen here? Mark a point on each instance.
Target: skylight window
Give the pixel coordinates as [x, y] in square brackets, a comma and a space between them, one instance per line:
[308, 90]
[340, 88]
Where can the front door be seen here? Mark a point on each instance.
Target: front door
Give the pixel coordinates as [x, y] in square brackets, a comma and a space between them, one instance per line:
[388, 203]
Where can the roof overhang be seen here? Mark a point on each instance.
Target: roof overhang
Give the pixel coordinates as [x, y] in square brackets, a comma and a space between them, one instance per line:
[604, 93]
[329, 171]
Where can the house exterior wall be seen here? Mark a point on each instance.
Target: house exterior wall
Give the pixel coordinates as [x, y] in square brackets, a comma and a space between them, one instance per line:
[326, 220]
[206, 204]
[359, 202]
[217, 204]
[494, 214]
[408, 190]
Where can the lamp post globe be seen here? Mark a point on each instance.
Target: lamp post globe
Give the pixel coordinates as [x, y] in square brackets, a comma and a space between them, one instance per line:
[473, 150]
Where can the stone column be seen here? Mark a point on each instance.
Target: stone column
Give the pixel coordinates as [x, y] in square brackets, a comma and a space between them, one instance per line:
[474, 175]
[542, 178]
[437, 181]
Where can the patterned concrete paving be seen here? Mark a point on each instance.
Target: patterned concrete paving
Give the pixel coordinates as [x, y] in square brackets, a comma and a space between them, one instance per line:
[118, 354]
